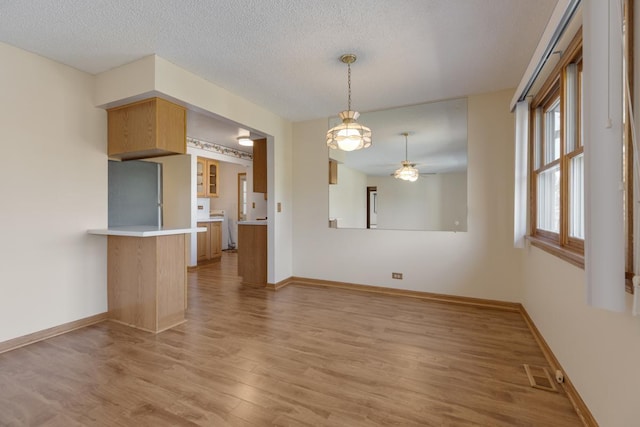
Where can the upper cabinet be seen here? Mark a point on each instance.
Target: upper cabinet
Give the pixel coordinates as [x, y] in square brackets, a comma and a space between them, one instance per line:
[201, 185]
[260, 166]
[212, 178]
[150, 128]
[207, 177]
[333, 171]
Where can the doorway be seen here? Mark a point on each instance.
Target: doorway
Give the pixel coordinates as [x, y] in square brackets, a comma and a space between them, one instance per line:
[242, 196]
[372, 207]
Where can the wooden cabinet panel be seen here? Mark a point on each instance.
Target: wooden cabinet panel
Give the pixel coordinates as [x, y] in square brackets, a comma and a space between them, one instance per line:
[260, 166]
[209, 242]
[204, 250]
[252, 254]
[150, 128]
[146, 279]
[216, 239]
[333, 171]
[212, 178]
[201, 185]
[207, 177]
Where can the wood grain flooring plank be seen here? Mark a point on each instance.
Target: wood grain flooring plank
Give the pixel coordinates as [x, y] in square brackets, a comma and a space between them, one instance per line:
[301, 356]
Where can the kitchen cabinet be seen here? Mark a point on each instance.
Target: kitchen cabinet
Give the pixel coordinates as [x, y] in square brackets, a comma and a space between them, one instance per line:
[201, 186]
[207, 177]
[146, 281]
[252, 253]
[212, 178]
[260, 166]
[333, 171]
[150, 128]
[210, 242]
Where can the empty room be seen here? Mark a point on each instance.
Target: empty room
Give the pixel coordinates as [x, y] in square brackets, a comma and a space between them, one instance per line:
[319, 213]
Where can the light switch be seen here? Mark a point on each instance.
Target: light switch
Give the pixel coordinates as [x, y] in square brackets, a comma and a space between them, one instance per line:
[253, 205]
[279, 207]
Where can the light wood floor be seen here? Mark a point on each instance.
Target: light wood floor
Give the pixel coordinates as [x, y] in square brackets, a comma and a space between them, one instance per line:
[299, 356]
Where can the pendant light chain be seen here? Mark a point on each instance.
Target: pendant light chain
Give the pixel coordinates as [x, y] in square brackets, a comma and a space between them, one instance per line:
[406, 148]
[349, 84]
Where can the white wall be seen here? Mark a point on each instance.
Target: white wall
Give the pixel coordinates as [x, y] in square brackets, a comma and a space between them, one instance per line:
[433, 202]
[599, 350]
[53, 182]
[453, 200]
[348, 198]
[479, 263]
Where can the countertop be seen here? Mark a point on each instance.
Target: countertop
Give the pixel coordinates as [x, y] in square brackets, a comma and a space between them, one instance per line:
[144, 231]
[211, 219]
[256, 222]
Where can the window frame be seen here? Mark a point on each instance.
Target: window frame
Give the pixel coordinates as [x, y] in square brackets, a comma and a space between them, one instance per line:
[628, 142]
[568, 248]
[560, 244]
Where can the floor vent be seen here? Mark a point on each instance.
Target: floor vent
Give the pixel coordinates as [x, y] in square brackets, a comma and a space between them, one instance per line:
[539, 377]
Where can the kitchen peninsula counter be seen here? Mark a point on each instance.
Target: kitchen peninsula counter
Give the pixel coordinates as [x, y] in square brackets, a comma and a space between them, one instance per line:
[147, 275]
[144, 231]
[211, 219]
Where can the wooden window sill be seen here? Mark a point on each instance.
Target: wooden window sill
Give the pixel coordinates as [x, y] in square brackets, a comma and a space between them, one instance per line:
[571, 257]
[566, 254]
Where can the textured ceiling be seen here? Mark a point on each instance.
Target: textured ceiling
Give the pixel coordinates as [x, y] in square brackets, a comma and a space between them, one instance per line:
[283, 54]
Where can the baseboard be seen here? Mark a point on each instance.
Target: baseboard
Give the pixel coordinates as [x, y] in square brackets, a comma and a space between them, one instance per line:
[574, 397]
[18, 342]
[451, 299]
[578, 404]
[281, 284]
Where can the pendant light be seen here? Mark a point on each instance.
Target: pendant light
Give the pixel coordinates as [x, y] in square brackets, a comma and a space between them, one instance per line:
[407, 171]
[349, 135]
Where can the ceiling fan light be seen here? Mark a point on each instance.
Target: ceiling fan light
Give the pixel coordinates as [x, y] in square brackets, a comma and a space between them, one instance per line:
[407, 171]
[245, 141]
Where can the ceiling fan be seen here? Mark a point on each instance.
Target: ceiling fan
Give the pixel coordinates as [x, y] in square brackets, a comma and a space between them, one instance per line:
[407, 170]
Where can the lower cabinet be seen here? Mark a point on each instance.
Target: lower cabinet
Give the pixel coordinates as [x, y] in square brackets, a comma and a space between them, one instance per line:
[252, 254]
[146, 281]
[210, 242]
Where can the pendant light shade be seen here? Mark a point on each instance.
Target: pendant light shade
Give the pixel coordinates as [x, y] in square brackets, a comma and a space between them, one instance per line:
[407, 171]
[349, 135]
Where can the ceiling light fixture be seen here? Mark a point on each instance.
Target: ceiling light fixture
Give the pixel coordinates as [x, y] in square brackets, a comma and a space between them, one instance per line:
[407, 171]
[245, 140]
[349, 135]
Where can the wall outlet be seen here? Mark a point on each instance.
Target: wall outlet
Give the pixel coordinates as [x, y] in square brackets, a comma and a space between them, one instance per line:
[396, 276]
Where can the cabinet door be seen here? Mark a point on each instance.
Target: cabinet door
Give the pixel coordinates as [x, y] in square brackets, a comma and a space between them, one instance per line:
[201, 185]
[260, 166]
[204, 245]
[216, 239]
[333, 171]
[149, 128]
[212, 178]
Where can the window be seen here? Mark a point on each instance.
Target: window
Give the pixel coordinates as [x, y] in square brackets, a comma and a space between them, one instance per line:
[557, 172]
[557, 156]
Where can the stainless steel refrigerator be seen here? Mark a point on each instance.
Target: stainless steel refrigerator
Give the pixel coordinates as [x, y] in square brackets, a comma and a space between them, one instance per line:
[135, 193]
